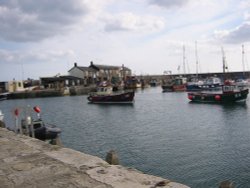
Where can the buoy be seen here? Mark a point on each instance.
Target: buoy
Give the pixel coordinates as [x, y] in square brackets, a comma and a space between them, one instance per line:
[37, 109]
[16, 112]
[190, 97]
[217, 97]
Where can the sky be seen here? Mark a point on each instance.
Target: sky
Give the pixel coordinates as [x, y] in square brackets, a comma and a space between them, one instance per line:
[45, 38]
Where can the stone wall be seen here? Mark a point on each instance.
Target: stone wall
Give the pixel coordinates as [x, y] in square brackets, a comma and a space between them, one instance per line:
[28, 162]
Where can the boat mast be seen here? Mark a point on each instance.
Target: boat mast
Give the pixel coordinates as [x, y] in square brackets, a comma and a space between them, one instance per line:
[196, 56]
[243, 62]
[223, 60]
[184, 59]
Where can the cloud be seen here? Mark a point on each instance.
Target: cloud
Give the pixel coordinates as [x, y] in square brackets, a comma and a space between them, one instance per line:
[169, 3]
[239, 34]
[33, 56]
[130, 22]
[28, 20]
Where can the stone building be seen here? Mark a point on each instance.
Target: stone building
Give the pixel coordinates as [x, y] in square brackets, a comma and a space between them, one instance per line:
[95, 73]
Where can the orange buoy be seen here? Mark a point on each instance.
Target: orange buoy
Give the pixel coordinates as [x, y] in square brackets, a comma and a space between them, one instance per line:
[37, 109]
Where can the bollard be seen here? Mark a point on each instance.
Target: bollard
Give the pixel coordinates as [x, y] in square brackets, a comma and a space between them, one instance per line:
[112, 158]
[57, 141]
[226, 184]
[2, 124]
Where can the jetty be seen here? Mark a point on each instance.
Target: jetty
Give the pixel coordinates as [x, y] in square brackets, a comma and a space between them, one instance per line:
[28, 162]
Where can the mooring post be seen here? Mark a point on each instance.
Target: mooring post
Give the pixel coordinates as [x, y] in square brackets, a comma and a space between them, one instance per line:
[226, 184]
[112, 158]
[2, 124]
[57, 141]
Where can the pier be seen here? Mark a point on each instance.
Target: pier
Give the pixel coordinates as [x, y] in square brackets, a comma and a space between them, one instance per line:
[28, 162]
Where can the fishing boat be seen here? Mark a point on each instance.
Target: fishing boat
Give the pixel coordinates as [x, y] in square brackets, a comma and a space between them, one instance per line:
[131, 82]
[211, 83]
[36, 128]
[107, 94]
[4, 96]
[229, 93]
[194, 84]
[176, 84]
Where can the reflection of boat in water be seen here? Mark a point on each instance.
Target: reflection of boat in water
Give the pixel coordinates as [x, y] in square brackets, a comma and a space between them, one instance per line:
[106, 94]
[176, 84]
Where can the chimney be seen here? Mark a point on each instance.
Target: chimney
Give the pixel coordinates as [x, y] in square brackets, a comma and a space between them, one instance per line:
[91, 63]
[75, 64]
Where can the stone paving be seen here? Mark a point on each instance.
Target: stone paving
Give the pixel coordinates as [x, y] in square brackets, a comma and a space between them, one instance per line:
[28, 162]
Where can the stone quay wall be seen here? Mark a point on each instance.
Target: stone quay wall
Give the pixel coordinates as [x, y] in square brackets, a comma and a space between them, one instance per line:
[28, 162]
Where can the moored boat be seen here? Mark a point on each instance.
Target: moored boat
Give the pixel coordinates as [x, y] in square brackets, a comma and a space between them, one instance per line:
[229, 93]
[177, 84]
[4, 96]
[106, 94]
[36, 128]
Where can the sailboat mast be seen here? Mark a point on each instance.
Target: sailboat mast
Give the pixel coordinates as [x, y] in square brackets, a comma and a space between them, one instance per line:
[223, 60]
[243, 62]
[196, 57]
[184, 59]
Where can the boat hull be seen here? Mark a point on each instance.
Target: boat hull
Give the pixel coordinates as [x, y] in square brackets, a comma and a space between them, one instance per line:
[119, 97]
[213, 97]
[173, 88]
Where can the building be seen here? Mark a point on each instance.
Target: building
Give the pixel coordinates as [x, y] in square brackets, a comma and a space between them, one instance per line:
[60, 82]
[95, 73]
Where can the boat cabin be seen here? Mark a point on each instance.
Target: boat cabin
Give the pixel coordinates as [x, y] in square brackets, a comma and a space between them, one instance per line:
[180, 81]
[213, 80]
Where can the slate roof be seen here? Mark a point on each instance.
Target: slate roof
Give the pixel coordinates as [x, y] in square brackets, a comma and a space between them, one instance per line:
[110, 67]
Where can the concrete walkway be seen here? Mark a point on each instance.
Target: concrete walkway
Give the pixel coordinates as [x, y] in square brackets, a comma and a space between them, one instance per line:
[27, 162]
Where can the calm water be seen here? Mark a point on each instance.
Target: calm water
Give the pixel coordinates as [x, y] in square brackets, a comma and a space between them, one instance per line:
[162, 134]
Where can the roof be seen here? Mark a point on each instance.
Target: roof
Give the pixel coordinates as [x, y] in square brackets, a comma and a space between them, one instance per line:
[110, 67]
[95, 67]
[89, 69]
[59, 78]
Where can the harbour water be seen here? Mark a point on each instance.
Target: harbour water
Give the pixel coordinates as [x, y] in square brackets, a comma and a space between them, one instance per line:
[162, 134]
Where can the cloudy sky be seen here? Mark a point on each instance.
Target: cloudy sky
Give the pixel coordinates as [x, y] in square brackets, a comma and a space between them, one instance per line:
[45, 37]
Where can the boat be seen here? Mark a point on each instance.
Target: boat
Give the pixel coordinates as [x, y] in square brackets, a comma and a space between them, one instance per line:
[243, 83]
[107, 94]
[4, 96]
[153, 83]
[44, 131]
[211, 83]
[229, 93]
[176, 84]
[131, 82]
[36, 128]
[194, 84]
